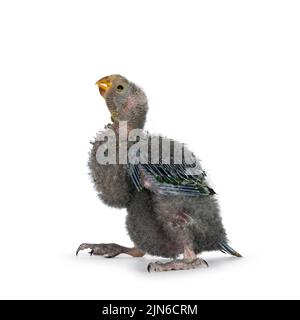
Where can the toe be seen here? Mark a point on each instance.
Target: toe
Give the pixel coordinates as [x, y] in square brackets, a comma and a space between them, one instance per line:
[155, 267]
[205, 263]
[151, 267]
[79, 249]
[199, 263]
[82, 247]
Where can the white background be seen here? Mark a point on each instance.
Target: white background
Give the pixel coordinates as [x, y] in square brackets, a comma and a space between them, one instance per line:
[222, 76]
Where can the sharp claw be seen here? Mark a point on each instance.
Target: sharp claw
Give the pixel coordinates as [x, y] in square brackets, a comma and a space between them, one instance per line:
[77, 251]
[205, 263]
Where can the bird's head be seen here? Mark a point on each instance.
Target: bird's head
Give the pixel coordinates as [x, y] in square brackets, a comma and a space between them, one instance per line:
[125, 100]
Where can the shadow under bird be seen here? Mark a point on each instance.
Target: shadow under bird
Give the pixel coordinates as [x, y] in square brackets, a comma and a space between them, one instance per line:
[171, 210]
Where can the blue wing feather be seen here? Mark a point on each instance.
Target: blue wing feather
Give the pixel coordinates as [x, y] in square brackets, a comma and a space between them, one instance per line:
[169, 179]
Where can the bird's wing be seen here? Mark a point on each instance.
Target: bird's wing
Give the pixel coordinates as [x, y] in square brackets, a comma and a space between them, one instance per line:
[167, 176]
[169, 179]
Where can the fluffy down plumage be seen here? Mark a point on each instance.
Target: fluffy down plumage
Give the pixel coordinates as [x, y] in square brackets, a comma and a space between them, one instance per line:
[151, 217]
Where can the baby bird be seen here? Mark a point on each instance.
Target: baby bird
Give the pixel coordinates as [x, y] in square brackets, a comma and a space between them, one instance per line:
[171, 209]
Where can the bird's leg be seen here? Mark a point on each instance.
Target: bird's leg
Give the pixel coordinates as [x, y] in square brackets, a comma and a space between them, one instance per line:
[178, 223]
[110, 250]
[189, 261]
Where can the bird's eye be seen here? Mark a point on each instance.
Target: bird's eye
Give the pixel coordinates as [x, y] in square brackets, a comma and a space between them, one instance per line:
[120, 87]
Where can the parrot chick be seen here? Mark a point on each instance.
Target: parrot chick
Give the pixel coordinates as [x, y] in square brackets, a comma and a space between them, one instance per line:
[171, 209]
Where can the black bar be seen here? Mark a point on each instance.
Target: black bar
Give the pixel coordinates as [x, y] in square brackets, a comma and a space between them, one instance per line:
[151, 309]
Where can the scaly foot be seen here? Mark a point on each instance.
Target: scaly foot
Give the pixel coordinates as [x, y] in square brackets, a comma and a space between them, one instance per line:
[184, 264]
[109, 250]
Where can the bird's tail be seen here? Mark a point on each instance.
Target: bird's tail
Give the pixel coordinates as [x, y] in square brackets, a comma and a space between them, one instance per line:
[225, 248]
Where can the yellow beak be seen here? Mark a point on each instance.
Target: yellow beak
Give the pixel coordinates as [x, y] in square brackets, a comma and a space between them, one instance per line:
[104, 85]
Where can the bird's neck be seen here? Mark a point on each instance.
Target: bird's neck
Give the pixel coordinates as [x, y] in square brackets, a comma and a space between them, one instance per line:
[137, 122]
[123, 128]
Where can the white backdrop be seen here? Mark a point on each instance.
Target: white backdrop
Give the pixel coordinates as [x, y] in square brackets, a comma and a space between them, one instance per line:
[222, 76]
